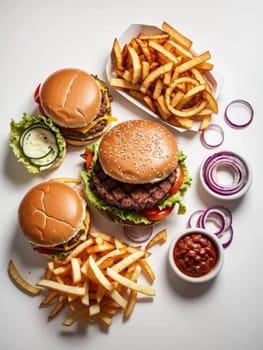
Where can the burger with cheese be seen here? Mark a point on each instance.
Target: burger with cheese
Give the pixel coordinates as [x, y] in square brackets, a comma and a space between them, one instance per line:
[136, 174]
[54, 217]
[78, 103]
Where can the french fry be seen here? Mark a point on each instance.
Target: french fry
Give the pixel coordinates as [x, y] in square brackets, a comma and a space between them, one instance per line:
[123, 264]
[150, 103]
[76, 316]
[63, 288]
[94, 283]
[76, 272]
[99, 275]
[163, 108]
[205, 121]
[130, 304]
[155, 74]
[117, 54]
[48, 298]
[193, 62]
[147, 270]
[182, 122]
[130, 284]
[20, 281]
[176, 36]
[124, 84]
[157, 89]
[159, 238]
[167, 55]
[57, 308]
[136, 65]
[151, 65]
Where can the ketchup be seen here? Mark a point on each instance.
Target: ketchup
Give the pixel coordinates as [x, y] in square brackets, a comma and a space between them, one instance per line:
[195, 254]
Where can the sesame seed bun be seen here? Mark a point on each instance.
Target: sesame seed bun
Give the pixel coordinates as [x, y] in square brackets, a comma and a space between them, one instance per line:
[51, 213]
[138, 151]
[70, 98]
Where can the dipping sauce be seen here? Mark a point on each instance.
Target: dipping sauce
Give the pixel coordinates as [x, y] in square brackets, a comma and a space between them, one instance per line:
[195, 254]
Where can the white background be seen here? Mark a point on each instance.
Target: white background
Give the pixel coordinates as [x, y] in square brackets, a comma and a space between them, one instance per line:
[38, 37]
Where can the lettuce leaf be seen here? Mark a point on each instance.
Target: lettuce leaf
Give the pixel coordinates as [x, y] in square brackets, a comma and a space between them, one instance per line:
[131, 215]
[17, 129]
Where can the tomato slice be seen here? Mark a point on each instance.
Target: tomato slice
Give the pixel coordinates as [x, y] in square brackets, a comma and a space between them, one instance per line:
[37, 100]
[179, 180]
[156, 214]
[36, 94]
[88, 156]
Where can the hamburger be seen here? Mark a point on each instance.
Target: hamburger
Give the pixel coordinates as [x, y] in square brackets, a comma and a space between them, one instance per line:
[54, 217]
[136, 174]
[78, 103]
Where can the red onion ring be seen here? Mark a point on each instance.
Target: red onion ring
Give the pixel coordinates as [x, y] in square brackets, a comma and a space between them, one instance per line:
[229, 240]
[228, 118]
[220, 215]
[205, 133]
[232, 163]
[138, 234]
[209, 214]
[194, 218]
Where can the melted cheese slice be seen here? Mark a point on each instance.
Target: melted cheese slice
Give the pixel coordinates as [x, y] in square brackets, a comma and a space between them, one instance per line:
[85, 129]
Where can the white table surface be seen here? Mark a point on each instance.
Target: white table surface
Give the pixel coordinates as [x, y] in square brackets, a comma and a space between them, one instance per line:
[38, 37]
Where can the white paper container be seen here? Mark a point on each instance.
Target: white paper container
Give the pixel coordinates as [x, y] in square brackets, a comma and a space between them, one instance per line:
[215, 80]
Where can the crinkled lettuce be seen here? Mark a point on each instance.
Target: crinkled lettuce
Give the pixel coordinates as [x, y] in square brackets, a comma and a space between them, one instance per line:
[131, 215]
[17, 129]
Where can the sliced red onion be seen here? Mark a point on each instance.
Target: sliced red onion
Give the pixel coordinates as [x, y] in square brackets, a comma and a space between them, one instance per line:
[231, 163]
[215, 216]
[229, 116]
[226, 213]
[193, 220]
[230, 232]
[138, 234]
[220, 215]
[209, 141]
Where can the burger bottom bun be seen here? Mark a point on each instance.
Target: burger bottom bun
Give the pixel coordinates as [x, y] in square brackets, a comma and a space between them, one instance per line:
[85, 142]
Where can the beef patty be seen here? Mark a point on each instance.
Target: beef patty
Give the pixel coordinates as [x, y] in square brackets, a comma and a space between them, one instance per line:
[130, 196]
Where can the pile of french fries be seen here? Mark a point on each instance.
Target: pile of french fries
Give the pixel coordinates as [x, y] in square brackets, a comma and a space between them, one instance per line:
[163, 72]
[97, 280]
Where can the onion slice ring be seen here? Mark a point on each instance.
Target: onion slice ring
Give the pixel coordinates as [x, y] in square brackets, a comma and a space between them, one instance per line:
[205, 134]
[229, 119]
[138, 234]
[194, 218]
[235, 166]
[218, 214]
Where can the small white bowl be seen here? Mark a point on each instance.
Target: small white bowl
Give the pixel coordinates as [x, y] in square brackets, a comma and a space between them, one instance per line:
[215, 243]
[231, 169]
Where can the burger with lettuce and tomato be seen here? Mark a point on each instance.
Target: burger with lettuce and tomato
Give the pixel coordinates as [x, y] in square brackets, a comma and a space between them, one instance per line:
[136, 174]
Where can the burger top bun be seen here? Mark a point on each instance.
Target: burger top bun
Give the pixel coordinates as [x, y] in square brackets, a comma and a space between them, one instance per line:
[138, 151]
[70, 97]
[50, 213]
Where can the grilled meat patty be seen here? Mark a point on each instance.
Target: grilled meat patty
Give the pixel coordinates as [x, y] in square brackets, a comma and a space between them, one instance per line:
[130, 196]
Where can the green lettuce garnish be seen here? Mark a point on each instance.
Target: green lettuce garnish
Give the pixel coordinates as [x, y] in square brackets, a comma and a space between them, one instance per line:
[131, 215]
[17, 129]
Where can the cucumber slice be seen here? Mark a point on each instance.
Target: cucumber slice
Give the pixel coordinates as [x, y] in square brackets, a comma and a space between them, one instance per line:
[47, 160]
[38, 142]
[33, 126]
